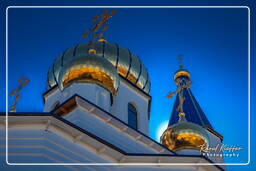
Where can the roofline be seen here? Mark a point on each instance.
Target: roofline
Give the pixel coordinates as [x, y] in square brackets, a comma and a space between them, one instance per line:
[210, 129]
[20, 114]
[109, 114]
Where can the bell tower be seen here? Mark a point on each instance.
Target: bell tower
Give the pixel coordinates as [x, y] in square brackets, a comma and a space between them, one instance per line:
[189, 129]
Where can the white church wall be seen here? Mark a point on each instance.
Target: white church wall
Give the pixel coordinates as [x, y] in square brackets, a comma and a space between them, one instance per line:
[101, 97]
[105, 131]
[53, 98]
[30, 142]
[92, 92]
[127, 94]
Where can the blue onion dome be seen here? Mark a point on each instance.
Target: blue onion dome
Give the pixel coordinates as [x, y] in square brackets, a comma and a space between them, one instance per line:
[185, 135]
[89, 68]
[126, 64]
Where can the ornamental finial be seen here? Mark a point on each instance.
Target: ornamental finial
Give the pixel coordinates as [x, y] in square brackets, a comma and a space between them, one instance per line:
[182, 117]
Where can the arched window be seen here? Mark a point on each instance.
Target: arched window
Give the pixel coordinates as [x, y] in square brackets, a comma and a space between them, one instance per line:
[132, 116]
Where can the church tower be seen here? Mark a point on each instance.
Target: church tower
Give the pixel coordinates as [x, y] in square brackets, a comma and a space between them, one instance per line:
[189, 130]
[104, 75]
[96, 113]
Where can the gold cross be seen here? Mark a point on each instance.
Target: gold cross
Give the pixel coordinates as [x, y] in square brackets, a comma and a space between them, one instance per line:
[15, 92]
[97, 24]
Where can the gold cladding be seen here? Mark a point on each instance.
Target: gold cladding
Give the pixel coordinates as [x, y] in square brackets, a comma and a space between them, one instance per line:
[89, 74]
[81, 49]
[143, 76]
[123, 61]
[99, 48]
[51, 80]
[134, 70]
[68, 56]
[181, 73]
[182, 140]
[147, 86]
[112, 53]
[57, 67]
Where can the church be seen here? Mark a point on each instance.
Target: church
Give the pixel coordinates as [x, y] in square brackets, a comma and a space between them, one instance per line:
[96, 116]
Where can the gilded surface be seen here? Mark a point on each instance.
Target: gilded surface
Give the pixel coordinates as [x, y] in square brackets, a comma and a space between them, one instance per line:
[51, 80]
[123, 61]
[184, 135]
[88, 75]
[134, 70]
[181, 73]
[90, 69]
[57, 67]
[127, 64]
[147, 86]
[112, 53]
[143, 76]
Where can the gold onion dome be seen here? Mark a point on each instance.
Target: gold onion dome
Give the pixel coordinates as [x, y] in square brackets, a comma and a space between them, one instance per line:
[125, 63]
[184, 135]
[90, 68]
[181, 73]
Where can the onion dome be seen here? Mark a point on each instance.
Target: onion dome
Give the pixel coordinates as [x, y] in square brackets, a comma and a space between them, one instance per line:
[126, 64]
[181, 73]
[184, 135]
[89, 68]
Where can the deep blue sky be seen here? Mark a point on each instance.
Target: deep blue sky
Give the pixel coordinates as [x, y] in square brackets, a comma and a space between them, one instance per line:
[212, 41]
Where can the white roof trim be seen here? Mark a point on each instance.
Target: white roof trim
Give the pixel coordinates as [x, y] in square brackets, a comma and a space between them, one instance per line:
[112, 155]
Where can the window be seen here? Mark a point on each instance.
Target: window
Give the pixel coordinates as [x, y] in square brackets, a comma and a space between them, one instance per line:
[132, 116]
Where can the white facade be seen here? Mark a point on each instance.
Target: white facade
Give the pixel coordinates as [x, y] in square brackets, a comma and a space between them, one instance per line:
[91, 129]
[99, 96]
[85, 124]
[42, 138]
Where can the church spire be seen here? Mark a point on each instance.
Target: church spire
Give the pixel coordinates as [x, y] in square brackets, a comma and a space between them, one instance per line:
[185, 129]
[185, 100]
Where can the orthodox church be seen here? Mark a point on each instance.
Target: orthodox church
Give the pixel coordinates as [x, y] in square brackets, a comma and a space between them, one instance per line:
[96, 116]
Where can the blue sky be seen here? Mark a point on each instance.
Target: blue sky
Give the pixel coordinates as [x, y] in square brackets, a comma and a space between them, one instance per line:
[214, 43]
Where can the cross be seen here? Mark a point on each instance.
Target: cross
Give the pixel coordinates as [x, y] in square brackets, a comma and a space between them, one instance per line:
[179, 91]
[181, 102]
[15, 92]
[97, 24]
